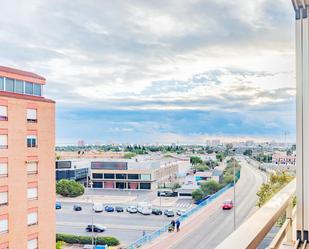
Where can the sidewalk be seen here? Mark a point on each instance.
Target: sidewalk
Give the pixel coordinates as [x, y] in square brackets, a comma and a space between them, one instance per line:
[100, 199]
[168, 240]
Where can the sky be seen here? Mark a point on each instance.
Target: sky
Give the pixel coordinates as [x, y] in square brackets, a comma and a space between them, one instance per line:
[158, 71]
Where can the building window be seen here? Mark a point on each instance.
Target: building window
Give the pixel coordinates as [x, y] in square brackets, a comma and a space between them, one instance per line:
[109, 176]
[37, 90]
[32, 193]
[1, 84]
[4, 225]
[121, 176]
[3, 141]
[31, 115]
[3, 112]
[33, 243]
[145, 185]
[32, 218]
[9, 85]
[98, 184]
[3, 169]
[145, 177]
[97, 176]
[133, 176]
[32, 168]
[3, 198]
[29, 88]
[31, 141]
[19, 86]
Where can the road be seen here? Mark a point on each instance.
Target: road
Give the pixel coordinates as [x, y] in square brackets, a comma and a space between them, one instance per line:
[219, 225]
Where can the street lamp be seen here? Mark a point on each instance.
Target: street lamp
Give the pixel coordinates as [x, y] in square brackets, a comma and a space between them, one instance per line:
[234, 189]
[92, 235]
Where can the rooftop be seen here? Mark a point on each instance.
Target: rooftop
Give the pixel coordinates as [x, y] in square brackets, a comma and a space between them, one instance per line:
[20, 72]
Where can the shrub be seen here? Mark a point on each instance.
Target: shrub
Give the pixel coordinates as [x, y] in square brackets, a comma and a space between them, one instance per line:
[83, 240]
[197, 194]
[59, 244]
[69, 188]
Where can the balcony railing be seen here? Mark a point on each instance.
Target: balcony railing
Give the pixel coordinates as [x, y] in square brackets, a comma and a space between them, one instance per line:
[252, 232]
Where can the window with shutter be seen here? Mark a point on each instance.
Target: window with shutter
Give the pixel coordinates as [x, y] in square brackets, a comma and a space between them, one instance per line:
[32, 193]
[33, 243]
[3, 198]
[31, 141]
[32, 219]
[3, 113]
[31, 115]
[32, 168]
[4, 226]
[3, 141]
[3, 169]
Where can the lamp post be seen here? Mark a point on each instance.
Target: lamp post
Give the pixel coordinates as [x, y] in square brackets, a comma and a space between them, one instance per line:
[92, 232]
[234, 190]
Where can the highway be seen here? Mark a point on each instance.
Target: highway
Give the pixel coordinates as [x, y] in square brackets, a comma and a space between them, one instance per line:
[219, 225]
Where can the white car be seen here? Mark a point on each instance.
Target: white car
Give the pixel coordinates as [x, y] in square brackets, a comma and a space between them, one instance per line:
[132, 209]
[180, 212]
[97, 207]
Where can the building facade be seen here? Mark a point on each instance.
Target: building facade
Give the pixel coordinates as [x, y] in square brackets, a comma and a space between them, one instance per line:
[27, 180]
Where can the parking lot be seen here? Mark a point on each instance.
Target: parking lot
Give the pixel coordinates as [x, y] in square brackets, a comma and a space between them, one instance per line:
[124, 226]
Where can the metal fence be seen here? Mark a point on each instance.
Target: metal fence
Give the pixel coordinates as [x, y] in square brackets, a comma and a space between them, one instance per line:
[150, 237]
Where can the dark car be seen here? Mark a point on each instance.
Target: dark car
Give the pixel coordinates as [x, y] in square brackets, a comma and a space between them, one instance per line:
[58, 205]
[77, 207]
[96, 228]
[156, 211]
[169, 213]
[119, 209]
[109, 209]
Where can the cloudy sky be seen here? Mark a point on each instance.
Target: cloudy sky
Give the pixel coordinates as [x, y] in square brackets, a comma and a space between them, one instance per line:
[158, 70]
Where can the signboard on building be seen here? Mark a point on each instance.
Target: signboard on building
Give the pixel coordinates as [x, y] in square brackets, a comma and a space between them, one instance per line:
[109, 165]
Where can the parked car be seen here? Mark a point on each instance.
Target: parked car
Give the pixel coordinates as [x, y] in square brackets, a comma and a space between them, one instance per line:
[132, 209]
[96, 228]
[156, 211]
[228, 204]
[119, 209]
[180, 212]
[169, 213]
[58, 205]
[144, 208]
[109, 209]
[167, 193]
[77, 207]
[97, 207]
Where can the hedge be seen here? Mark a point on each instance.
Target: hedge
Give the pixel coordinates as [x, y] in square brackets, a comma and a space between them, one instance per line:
[74, 239]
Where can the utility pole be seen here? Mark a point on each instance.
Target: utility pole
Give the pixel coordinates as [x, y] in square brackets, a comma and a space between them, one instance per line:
[234, 164]
[92, 229]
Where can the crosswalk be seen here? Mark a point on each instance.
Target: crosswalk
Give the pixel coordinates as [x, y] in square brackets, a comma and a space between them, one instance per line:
[184, 204]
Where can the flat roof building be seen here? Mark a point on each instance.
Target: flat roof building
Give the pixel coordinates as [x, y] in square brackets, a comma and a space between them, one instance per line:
[27, 142]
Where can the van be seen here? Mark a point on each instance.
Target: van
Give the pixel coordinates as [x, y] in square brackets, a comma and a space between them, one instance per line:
[144, 208]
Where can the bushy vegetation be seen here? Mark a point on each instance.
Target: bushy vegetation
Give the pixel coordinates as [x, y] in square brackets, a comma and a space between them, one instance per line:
[59, 244]
[69, 188]
[83, 240]
[201, 167]
[228, 174]
[129, 155]
[276, 183]
[263, 158]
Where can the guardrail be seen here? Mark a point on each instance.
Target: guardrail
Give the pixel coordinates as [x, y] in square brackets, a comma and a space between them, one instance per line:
[252, 232]
[150, 237]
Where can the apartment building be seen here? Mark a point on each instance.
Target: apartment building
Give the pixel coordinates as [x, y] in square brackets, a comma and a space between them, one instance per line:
[27, 176]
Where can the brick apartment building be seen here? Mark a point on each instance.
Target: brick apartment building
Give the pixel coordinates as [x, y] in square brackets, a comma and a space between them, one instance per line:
[27, 174]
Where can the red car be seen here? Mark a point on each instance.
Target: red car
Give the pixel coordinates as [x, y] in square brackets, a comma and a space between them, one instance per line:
[228, 204]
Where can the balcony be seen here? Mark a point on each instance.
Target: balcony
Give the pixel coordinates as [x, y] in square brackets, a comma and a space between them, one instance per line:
[252, 232]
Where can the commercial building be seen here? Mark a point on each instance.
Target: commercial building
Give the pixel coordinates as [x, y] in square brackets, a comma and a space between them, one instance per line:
[27, 142]
[71, 170]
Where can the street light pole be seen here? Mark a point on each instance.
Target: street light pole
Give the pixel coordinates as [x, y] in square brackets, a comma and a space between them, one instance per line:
[92, 235]
[234, 164]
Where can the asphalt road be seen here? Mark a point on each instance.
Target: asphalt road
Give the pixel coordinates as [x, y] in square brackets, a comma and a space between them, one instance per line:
[218, 226]
[124, 226]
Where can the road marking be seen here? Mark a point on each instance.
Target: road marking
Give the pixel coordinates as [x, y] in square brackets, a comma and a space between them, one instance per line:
[111, 226]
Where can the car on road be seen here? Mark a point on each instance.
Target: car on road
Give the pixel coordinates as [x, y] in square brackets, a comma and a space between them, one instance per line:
[180, 212]
[169, 213]
[167, 193]
[132, 209]
[144, 208]
[109, 209]
[58, 205]
[228, 204]
[77, 207]
[96, 228]
[157, 211]
[97, 207]
[119, 209]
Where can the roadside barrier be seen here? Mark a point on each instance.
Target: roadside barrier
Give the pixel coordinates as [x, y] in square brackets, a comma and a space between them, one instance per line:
[150, 237]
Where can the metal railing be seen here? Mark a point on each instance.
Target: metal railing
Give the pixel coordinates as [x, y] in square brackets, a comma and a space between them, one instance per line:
[252, 232]
[150, 237]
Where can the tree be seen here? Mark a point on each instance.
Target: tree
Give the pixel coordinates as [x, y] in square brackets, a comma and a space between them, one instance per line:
[175, 186]
[220, 156]
[248, 152]
[197, 194]
[210, 187]
[69, 188]
[195, 160]
[201, 167]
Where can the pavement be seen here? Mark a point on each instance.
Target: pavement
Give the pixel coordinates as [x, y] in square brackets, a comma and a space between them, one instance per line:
[208, 227]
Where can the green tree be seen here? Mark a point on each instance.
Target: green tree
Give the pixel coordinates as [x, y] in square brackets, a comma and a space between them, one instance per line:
[197, 194]
[210, 187]
[194, 160]
[59, 245]
[69, 188]
[201, 167]
[248, 152]
[129, 155]
[220, 156]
